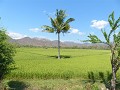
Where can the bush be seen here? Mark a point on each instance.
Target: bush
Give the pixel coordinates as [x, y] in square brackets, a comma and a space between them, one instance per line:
[6, 54]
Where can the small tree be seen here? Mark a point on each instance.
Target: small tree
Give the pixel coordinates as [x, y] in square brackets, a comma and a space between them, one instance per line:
[6, 54]
[113, 44]
[59, 25]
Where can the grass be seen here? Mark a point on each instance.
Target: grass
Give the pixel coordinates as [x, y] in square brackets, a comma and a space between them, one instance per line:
[39, 69]
[52, 84]
[75, 63]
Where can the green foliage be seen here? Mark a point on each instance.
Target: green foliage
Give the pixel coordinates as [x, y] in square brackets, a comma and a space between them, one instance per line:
[58, 23]
[48, 29]
[106, 80]
[113, 24]
[94, 39]
[91, 77]
[105, 36]
[115, 60]
[6, 54]
[117, 39]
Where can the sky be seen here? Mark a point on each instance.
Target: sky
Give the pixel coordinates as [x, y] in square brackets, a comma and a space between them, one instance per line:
[24, 18]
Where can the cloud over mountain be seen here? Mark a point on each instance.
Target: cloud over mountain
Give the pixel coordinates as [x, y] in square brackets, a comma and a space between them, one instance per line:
[15, 35]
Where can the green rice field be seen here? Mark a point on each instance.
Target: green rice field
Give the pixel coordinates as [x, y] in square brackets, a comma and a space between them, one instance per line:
[39, 69]
[74, 63]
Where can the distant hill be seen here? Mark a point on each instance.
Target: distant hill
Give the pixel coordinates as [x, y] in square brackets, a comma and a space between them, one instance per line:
[36, 42]
[43, 42]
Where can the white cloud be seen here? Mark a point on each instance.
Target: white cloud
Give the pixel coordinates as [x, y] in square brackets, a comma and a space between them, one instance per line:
[99, 24]
[16, 35]
[76, 31]
[35, 29]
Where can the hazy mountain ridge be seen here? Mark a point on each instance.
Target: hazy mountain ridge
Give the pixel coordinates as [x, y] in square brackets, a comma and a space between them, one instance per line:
[43, 42]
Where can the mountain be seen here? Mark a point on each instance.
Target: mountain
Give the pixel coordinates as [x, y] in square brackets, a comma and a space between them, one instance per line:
[43, 42]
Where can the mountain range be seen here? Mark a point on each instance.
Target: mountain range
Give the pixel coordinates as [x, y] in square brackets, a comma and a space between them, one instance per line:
[43, 42]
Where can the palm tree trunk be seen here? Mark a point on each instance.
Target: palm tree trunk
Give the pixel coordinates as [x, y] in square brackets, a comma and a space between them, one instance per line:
[113, 80]
[58, 45]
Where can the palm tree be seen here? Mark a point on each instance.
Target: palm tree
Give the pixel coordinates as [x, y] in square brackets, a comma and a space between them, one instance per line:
[114, 45]
[59, 25]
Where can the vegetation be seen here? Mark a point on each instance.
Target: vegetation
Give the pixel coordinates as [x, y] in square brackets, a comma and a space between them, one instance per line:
[41, 63]
[52, 84]
[82, 46]
[38, 68]
[114, 45]
[59, 25]
[6, 55]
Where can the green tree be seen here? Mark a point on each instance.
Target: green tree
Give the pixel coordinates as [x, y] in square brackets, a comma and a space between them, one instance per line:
[59, 25]
[7, 52]
[113, 44]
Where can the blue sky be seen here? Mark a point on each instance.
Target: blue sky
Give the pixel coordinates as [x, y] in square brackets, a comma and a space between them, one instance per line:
[24, 18]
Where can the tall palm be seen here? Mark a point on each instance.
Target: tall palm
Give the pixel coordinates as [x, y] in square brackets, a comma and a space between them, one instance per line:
[114, 46]
[59, 25]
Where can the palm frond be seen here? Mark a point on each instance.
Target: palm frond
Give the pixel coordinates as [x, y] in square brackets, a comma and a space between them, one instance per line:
[110, 23]
[113, 24]
[70, 20]
[60, 13]
[54, 23]
[93, 39]
[117, 38]
[66, 28]
[105, 36]
[60, 16]
[116, 25]
[47, 29]
[112, 17]
[66, 24]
